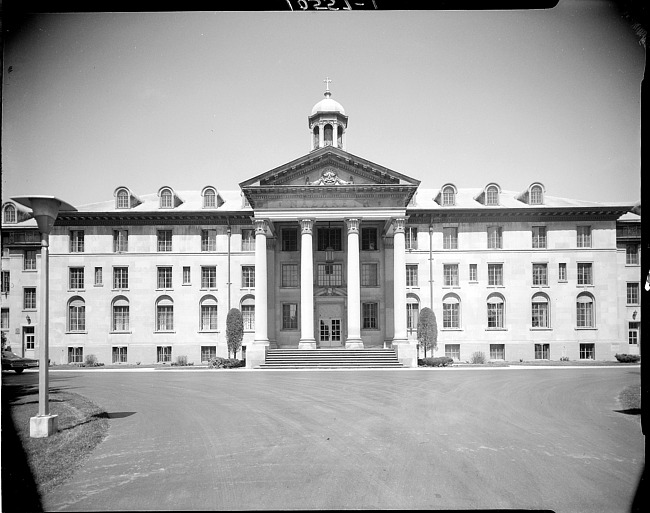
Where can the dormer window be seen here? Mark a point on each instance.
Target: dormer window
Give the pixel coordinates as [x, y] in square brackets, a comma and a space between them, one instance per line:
[492, 195]
[448, 196]
[122, 199]
[209, 199]
[10, 214]
[536, 195]
[166, 199]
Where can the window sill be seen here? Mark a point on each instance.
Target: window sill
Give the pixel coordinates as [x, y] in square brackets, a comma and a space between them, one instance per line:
[496, 329]
[585, 286]
[98, 285]
[632, 265]
[209, 331]
[164, 331]
[541, 329]
[540, 286]
[563, 281]
[187, 284]
[496, 286]
[30, 270]
[586, 328]
[632, 304]
[120, 290]
[127, 332]
[452, 286]
[209, 289]
[76, 291]
[76, 332]
[452, 329]
[164, 290]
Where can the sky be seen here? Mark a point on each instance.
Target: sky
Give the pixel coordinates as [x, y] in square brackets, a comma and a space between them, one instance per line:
[93, 101]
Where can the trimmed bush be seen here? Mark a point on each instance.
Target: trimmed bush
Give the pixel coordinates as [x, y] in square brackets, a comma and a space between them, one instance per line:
[90, 361]
[440, 361]
[478, 357]
[225, 363]
[564, 358]
[427, 330]
[627, 358]
[234, 331]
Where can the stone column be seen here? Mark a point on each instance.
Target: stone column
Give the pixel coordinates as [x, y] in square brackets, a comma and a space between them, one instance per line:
[321, 136]
[335, 135]
[353, 340]
[307, 340]
[406, 350]
[256, 353]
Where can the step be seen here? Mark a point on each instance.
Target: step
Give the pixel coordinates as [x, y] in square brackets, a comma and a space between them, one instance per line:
[330, 358]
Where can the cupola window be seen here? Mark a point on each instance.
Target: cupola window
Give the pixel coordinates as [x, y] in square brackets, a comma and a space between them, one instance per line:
[492, 195]
[166, 199]
[536, 196]
[209, 199]
[328, 135]
[10, 214]
[448, 197]
[122, 199]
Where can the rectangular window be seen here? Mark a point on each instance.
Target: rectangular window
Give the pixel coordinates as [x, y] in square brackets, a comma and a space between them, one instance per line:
[208, 353]
[29, 298]
[632, 293]
[4, 323]
[451, 315]
[539, 315]
[76, 316]
[633, 333]
[369, 239]
[208, 317]
[247, 240]
[542, 351]
[495, 239]
[473, 272]
[164, 277]
[369, 315]
[369, 275]
[29, 263]
[119, 354]
[165, 318]
[208, 240]
[290, 277]
[585, 314]
[585, 276]
[495, 275]
[6, 282]
[209, 277]
[540, 275]
[248, 314]
[561, 272]
[411, 237]
[329, 238]
[497, 352]
[187, 275]
[120, 317]
[412, 317]
[587, 352]
[632, 254]
[452, 351]
[248, 276]
[99, 276]
[75, 354]
[290, 316]
[495, 315]
[164, 354]
[450, 273]
[450, 238]
[330, 275]
[30, 337]
[76, 241]
[120, 241]
[76, 278]
[411, 275]
[290, 239]
[539, 237]
[164, 240]
[120, 277]
[583, 236]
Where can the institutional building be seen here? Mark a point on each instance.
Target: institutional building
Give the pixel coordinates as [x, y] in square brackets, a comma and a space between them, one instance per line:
[328, 250]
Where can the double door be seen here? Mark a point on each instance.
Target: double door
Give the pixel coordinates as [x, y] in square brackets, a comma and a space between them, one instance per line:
[329, 332]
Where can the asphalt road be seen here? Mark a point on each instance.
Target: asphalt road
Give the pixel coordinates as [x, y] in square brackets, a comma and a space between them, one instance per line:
[431, 438]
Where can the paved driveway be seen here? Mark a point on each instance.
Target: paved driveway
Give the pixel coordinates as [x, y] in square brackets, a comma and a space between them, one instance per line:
[430, 438]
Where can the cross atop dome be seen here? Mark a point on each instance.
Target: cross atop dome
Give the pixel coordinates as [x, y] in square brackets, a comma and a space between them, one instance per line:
[327, 81]
[328, 121]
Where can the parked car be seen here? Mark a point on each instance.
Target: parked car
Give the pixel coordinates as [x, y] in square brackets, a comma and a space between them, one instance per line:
[11, 361]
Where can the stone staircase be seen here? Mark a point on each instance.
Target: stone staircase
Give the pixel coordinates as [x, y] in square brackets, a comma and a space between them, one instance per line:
[330, 359]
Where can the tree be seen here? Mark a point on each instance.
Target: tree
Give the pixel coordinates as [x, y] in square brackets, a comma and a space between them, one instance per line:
[234, 331]
[428, 330]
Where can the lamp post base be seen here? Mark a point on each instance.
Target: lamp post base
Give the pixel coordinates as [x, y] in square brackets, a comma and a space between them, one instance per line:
[43, 426]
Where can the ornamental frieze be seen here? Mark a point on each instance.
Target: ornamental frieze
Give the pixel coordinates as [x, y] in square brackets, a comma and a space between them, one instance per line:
[329, 177]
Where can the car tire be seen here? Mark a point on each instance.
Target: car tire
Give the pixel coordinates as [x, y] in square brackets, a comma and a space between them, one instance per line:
[18, 371]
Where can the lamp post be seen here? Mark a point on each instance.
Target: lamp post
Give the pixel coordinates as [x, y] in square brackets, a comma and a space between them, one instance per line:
[45, 209]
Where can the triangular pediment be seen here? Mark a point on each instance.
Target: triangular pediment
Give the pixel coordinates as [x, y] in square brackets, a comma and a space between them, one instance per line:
[330, 167]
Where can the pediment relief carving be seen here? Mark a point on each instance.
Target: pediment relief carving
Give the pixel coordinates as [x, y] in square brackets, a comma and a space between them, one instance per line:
[329, 177]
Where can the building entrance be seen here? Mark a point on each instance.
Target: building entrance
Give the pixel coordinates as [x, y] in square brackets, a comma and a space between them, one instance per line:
[330, 325]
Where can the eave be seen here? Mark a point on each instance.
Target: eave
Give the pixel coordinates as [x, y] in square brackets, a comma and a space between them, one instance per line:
[152, 218]
[535, 214]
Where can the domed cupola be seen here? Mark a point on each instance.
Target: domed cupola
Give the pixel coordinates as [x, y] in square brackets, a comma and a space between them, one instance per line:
[328, 122]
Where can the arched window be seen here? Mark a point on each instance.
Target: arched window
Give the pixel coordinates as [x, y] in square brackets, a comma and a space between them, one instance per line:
[448, 196]
[540, 311]
[166, 199]
[329, 131]
[536, 195]
[164, 314]
[76, 314]
[10, 214]
[120, 314]
[412, 313]
[496, 311]
[208, 307]
[122, 199]
[451, 311]
[209, 198]
[585, 312]
[248, 312]
[316, 136]
[492, 195]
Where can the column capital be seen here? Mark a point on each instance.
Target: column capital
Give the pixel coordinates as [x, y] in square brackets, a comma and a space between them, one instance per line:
[399, 224]
[353, 225]
[306, 225]
[260, 226]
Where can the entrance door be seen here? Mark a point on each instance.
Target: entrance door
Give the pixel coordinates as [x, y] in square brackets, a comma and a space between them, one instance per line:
[29, 339]
[330, 333]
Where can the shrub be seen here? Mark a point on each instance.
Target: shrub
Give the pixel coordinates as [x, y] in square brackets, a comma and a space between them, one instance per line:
[441, 361]
[90, 361]
[181, 360]
[478, 357]
[427, 330]
[627, 358]
[564, 358]
[225, 363]
[234, 331]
